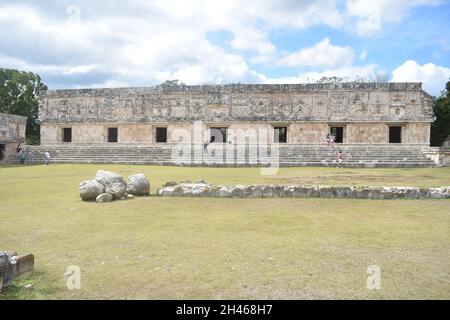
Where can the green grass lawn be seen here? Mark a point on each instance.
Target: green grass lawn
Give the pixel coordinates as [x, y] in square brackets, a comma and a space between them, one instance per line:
[212, 248]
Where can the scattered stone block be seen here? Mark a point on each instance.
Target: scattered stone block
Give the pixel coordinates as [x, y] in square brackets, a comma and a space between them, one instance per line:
[104, 197]
[108, 184]
[138, 185]
[90, 189]
[14, 266]
[24, 265]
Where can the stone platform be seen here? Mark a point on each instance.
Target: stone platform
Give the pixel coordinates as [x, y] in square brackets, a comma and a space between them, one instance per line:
[227, 155]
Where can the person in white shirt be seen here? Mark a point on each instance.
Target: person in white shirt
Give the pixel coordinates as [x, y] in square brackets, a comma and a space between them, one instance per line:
[47, 157]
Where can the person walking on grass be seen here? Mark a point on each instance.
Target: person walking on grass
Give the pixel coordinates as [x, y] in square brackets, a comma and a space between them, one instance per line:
[340, 159]
[47, 157]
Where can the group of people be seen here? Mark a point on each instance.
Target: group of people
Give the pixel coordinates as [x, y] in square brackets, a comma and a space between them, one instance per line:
[30, 158]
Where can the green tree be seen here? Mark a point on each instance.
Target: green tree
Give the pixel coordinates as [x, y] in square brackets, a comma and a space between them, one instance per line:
[18, 95]
[440, 128]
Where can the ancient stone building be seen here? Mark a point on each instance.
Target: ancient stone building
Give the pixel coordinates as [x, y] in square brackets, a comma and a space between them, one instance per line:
[355, 113]
[384, 125]
[12, 133]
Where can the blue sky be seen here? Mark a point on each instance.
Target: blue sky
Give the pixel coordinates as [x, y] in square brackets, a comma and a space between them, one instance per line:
[74, 44]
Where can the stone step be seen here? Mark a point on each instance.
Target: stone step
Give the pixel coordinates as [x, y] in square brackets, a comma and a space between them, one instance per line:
[287, 155]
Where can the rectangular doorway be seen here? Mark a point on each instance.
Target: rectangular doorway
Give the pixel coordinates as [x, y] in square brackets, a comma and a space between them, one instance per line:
[67, 134]
[218, 134]
[280, 135]
[338, 133]
[2, 151]
[112, 134]
[161, 135]
[395, 134]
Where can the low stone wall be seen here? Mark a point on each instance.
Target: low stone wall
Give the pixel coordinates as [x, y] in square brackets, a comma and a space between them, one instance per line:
[298, 191]
[440, 156]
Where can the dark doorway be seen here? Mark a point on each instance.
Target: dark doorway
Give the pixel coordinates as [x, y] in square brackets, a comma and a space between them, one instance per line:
[219, 135]
[2, 151]
[395, 134]
[112, 134]
[338, 133]
[280, 135]
[67, 134]
[161, 135]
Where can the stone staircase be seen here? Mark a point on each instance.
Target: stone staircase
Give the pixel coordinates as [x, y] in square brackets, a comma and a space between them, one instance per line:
[234, 155]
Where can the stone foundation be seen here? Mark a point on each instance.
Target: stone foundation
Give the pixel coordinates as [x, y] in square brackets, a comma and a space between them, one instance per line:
[296, 191]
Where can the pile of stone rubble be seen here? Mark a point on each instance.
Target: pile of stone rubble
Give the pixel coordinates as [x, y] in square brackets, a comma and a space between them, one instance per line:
[13, 266]
[108, 186]
[188, 189]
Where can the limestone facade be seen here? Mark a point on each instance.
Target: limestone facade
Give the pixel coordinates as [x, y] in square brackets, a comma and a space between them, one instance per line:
[364, 112]
[12, 133]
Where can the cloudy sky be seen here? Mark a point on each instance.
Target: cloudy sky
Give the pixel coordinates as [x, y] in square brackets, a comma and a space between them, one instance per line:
[107, 43]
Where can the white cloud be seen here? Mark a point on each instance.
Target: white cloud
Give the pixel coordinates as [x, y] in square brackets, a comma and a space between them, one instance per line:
[120, 49]
[370, 14]
[433, 77]
[323, 55]
[146, 42]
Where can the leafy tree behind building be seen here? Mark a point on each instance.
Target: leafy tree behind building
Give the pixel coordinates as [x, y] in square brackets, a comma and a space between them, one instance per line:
[440, 129]
[18, 95]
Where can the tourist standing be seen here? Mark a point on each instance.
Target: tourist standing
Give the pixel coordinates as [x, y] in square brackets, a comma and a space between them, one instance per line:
[328, 139]
[47, 157]
[31, 156]
[340, 159]
[21, 156]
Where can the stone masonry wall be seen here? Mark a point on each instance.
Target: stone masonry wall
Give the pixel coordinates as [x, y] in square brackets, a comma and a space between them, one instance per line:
[12, 128]
[12, 132]
[297, 102]
[365, 110]
[298, 191]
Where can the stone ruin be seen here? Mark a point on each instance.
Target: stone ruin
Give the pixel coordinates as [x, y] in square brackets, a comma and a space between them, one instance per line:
[14, 266]
[203, 189]
[108, 186]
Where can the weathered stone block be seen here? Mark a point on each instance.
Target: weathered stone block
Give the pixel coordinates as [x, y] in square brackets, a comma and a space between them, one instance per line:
[237, 191]
[138, 185]
[288, 191]
[14, 266]
[256, 191]
[298, 191]
[268, 191]
[117, 189]
[225, 192]
[90, 189]
[104, 197]
[24, 265]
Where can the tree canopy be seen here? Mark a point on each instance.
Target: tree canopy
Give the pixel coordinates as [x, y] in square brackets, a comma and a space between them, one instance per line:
[440, 129]
[18, 95]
